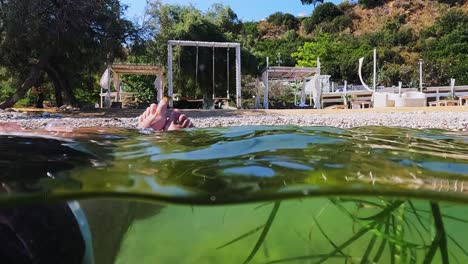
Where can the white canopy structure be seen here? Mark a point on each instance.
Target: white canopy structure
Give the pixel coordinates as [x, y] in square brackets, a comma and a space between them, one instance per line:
[282, 73]
[213, 45]
[119, 69]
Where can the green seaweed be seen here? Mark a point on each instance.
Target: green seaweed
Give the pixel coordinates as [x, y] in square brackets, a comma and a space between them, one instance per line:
[370, 246]
[264, 233]
[327, 237]
[247, 234]
[458, 245]
[381, 248]
[348, 242]
[439, 225]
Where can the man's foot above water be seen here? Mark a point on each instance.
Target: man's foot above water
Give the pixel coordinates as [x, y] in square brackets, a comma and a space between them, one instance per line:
[10, 126]
[155, 117]
[178, 121]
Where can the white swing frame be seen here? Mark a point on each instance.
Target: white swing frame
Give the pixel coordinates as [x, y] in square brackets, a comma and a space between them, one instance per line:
[213, 45]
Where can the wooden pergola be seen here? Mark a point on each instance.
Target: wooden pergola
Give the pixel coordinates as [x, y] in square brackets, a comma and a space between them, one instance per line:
[290, 73]
[283, 73]
[120, 69]
[136, 69]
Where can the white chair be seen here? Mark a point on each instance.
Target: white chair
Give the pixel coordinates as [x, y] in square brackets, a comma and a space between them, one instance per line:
[384, 99]
[411, 99]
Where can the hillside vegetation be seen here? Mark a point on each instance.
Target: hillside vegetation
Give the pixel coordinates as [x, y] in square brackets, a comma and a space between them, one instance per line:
[67, 70]
[419, 15]
[402, 31]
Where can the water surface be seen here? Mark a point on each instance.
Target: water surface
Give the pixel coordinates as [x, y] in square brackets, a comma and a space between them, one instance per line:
[253, 194]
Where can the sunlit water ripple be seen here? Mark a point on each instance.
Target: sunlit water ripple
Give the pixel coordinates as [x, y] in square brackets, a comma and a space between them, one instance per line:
[235, 165]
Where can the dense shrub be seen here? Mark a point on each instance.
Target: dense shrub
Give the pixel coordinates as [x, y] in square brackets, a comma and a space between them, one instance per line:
[342, 22]
[346, 6]
[287, 20]
[452, 2]
[276, 18]
[290, 22]
[325, 12]
[7, 84]
[250, 30]
[371, 3]
[395, 23]
[308, 25]
[445, 49]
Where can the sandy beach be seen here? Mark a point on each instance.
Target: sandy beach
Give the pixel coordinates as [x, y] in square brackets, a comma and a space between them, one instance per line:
[449, 118]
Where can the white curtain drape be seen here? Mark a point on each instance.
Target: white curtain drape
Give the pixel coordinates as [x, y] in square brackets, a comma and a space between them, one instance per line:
[116, 79]
[345, 88]
[104, 82]
[399, 88]
[303, 94]
[317, 91]
[159, 86]
[452, 86]
[257, 94]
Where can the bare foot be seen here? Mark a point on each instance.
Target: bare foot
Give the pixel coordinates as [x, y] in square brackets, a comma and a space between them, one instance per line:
[177, 121]
[10, 126]
[154, 117]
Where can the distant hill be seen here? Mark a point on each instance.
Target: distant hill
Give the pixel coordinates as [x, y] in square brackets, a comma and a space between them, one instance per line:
[402, 31]
[417, 14]
[356, 19]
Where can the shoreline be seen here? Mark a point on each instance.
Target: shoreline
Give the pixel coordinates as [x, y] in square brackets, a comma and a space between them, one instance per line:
[447, 118]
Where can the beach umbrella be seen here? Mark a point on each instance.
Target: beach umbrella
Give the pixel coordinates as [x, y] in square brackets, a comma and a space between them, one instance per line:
[452, 87]
[345, 88]
[257, 94]
[159, 86]
[318, 84]
[104, 82]
[399, 88]
[116, 79]
[308, 89]
[316, 91]
[107, 98]
[303, 94]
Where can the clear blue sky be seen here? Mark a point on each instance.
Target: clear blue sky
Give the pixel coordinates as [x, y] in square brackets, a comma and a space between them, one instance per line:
[247, 10]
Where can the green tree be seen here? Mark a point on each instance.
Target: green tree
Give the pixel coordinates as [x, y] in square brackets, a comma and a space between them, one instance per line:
[188, 23]
[66, 41]
[325, 12]
[445, 48]
[311, 2]
[286, 20]
[338, 56]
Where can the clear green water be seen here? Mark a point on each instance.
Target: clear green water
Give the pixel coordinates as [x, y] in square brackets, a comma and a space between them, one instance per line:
[259, 195]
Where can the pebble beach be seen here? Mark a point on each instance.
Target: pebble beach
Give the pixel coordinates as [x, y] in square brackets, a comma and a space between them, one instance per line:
[447, 118]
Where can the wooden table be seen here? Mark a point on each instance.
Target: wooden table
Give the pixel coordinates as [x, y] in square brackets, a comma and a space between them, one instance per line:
[445, 103]
[463, 98]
